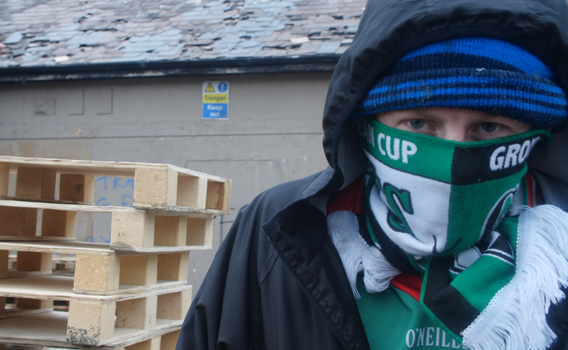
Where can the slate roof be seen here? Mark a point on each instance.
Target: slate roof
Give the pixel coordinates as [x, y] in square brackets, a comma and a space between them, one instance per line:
[43, 33]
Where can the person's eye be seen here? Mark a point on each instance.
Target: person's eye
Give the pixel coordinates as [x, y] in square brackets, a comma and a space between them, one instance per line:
[489, 127]
[418, 124]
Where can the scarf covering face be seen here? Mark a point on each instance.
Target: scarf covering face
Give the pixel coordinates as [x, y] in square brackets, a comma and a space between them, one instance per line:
[490, 274]
[436, 197]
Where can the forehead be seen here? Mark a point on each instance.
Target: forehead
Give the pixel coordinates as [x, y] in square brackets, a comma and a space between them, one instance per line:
[441, 113]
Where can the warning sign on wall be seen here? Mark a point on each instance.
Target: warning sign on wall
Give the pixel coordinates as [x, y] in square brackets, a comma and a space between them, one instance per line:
[215, 100]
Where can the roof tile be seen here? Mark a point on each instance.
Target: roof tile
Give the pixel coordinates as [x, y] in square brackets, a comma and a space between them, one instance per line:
[132, 31]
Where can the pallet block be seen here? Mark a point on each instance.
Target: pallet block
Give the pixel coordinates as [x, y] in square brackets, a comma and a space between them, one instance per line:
[26, 264]
[139, 270]
[58, 223]
[132, 229]
[199, 231]
[155, 185]
[4, 261]
[173, 267]
[218, 195]
[4, 178]
[18, 222]
[33, 261]
[96, 272]
[36, 183]
[77, 188]
[90, 321]
[34, 304]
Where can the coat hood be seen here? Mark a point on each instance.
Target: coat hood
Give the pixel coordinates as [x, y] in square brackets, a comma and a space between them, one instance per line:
[391, 28]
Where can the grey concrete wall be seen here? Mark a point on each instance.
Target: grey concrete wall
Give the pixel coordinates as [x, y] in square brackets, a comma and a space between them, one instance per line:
[273, 134]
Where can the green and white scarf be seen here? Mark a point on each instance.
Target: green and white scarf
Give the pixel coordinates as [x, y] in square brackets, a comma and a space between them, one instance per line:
[443, 208]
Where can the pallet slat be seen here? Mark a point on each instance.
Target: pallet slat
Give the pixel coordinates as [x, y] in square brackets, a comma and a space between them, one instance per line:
[166, 341]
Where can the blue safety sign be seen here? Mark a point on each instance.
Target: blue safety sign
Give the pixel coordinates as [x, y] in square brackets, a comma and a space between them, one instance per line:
[215, 100]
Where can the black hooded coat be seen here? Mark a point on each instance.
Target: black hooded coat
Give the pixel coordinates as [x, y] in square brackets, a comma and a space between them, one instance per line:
[277, 281]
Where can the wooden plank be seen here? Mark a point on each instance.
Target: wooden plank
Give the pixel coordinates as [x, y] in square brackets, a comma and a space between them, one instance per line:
[18, 312]
[130, 289]
[58, 247]
[97, 168]
[150, 250]
[18, 274]
[161, 210]
[72, 247]
[35, 239]
[49, 329]
[54, 287]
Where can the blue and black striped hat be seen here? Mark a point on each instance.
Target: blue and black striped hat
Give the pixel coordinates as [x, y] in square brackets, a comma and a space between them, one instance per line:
[483, 74]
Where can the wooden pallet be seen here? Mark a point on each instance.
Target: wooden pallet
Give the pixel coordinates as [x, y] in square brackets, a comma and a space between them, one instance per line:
[155, 185]
[153, 230]
[98, 270]
[165, 341]
[92, 319]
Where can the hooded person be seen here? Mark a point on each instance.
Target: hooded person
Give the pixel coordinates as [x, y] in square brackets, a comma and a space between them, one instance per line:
[408, 239]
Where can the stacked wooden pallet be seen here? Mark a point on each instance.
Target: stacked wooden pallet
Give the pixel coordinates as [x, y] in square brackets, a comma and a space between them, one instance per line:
[131, 293]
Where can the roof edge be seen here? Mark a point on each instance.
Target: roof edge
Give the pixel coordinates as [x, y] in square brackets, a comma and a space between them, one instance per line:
[122, 70]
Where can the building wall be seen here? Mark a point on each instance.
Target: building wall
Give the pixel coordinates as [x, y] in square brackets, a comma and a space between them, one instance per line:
[273, 134]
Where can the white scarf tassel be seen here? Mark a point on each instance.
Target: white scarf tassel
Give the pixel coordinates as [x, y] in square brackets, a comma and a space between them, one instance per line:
[357, 256]
[542, 267]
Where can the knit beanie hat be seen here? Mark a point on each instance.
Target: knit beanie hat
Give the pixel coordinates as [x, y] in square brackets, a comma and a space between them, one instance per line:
[483, 74]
